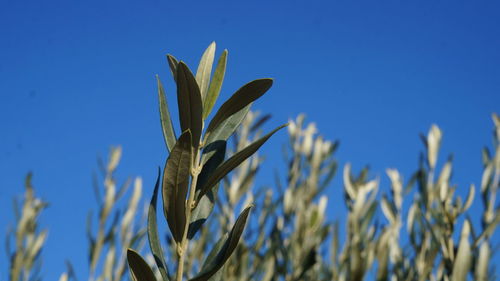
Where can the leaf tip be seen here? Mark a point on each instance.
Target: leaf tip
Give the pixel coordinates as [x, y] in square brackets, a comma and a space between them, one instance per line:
[130, 252]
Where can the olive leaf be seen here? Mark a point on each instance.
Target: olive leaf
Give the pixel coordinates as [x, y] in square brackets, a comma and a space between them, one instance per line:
[234, 162]
[166, 121]
[211, 258]
[154, 241]
[172, 63]
[463, 258]
[215, 85]
[139, 268]
[189, 101]
[219, 255]
[241, 98]
[225, 129]
[175, 185]
[205, 69]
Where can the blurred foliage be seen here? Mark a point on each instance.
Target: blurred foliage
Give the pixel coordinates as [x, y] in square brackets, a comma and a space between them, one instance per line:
[418, 229]
[115, 234]
[24, 251]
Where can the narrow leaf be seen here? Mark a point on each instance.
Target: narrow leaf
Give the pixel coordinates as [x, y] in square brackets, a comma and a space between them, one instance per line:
[483, 260]
[215, 262]
[224, 131]
[211, 258]
[463, 258]
[175, 185]
[212, 255]
[139, 268]
[154, 241]
[388, 209]
[189, 101]
[243, 97]
[205, 69]
[470, 198]
[215, 85]
[234, 162]
[166, 121]
[172, 63]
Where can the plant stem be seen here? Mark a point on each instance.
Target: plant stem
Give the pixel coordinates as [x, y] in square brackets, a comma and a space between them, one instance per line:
[181, 250]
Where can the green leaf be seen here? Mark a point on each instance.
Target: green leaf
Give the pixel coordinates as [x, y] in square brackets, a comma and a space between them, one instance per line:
[172, 63]
[224, 131]
[219, 255]
[489, 229]
[483, 260]
[368, 216]
[175, 185]
[243, 97]
[234, 162]
[139, 268]
[189, 101]
[200, 214]
[470, 198]
[154, 241]
[212, 255]
[166, 121]
[205, 69]
[463, 259]
[215, 85]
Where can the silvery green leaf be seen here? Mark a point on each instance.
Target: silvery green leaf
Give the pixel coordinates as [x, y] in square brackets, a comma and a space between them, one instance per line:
[36, 245]
[223, 132]
[489, 229]
[389, 210]
[443, 181]
[463, 258]
[166, 121]
[172, 63]
[205, 69]
[368, 216]
[215, 85]
[175, 185]
[222, 251]
[470, 198]
[212, 255]
[154, 241]
[483, 261]
[433, 143]
[139, 268]
[485, 179]
[189, 102]
[233, 162]
[241, 98]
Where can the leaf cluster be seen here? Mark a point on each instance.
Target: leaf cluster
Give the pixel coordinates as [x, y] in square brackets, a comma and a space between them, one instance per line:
[197, 163]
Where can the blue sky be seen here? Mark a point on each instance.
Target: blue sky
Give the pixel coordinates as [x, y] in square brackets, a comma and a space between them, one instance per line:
[78, 77]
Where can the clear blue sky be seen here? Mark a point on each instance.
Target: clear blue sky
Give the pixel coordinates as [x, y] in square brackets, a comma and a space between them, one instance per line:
[78, 76]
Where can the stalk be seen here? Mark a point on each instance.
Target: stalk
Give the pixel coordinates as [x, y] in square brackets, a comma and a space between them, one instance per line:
[181, 249]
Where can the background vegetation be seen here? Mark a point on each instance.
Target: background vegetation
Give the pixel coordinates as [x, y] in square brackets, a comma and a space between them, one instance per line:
[414, 229]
